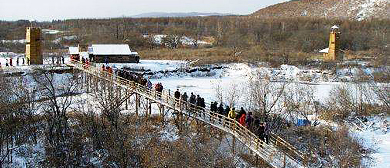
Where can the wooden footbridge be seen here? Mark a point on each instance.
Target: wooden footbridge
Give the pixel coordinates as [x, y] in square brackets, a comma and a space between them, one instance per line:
[278, 153]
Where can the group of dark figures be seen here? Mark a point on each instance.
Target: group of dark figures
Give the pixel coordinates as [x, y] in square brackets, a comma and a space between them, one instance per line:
[253, 123]
[138, 78]
[193, 100]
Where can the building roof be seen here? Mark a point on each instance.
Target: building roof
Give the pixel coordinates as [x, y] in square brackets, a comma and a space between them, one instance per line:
[110, 49]
[73, 50]
[335, 27]
[326, 50]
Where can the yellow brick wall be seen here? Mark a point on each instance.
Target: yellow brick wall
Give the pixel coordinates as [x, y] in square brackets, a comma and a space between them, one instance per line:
[34, 45]
[334, 51]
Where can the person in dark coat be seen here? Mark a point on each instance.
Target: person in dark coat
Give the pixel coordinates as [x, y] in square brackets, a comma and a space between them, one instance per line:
[184, 98]
[213, 107]
[198, 100]
[192, 100]
[262, 132]
[202, 104]
[226, 112]
[249, 120]
[220, 109]
[256, 124]
[266, 132]
[177, 96]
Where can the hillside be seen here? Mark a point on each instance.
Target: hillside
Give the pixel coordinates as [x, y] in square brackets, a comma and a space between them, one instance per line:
[332, 9]
[165, 14]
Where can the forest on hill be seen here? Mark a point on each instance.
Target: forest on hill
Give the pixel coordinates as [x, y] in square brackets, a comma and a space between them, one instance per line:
[279, 40]
[340, 9]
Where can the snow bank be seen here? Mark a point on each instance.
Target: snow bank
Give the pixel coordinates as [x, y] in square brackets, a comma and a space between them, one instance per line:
[22, 41]
[376, 135]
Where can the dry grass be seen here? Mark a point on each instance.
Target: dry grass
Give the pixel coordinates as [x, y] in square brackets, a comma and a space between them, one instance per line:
[204, 55]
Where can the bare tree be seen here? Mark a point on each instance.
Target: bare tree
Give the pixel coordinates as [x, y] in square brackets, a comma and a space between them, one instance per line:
[299, 101]
[233, 94]
[340, 104]
[265, 96]
[58, 90]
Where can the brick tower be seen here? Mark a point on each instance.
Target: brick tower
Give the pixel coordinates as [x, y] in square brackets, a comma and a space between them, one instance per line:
[334, 45]
[34, 45]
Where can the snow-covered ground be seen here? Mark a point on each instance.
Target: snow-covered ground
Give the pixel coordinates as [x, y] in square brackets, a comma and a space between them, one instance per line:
[158, 39]
[375, 134]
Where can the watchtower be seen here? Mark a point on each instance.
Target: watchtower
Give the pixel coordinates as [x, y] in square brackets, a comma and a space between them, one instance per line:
[34, 45]
[334, 45]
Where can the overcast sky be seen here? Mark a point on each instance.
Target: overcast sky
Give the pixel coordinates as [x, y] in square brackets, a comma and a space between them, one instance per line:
[47, 10]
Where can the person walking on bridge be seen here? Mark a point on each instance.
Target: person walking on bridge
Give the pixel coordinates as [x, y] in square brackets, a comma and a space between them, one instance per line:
[149, 84]
[213, 107]
[220, 109]
[226, 112]
[184, 98]
[177, 96]
[261, 132]
[192, 100]
[266, 132]
[249, 120]
[242, 119]
[232, 113]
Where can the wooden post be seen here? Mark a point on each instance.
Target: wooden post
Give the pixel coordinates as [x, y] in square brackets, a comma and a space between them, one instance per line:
[234, 144]
[150, 107]
[137, 104]
[162, 111]
[126, 103]
[90, 76]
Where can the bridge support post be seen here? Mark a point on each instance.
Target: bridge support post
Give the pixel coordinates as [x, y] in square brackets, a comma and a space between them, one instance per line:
[137, 104]
[149, 107]
[89, 83]
[162, 108]
[234, 145]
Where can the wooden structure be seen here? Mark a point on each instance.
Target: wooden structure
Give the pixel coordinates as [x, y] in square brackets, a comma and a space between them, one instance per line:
[333, 52]
[33, 45]
[112, 53]
[278, 153]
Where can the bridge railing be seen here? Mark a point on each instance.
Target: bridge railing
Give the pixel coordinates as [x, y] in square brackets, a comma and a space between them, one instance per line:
[244, 134]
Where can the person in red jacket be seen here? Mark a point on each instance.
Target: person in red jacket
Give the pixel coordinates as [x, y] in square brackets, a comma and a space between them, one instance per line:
[242, 119]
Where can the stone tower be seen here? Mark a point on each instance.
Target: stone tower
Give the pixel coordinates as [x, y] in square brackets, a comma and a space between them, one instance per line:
[334, 45]
[34, 45]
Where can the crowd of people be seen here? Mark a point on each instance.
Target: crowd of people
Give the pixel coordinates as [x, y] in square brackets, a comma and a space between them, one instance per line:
[248, 120]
